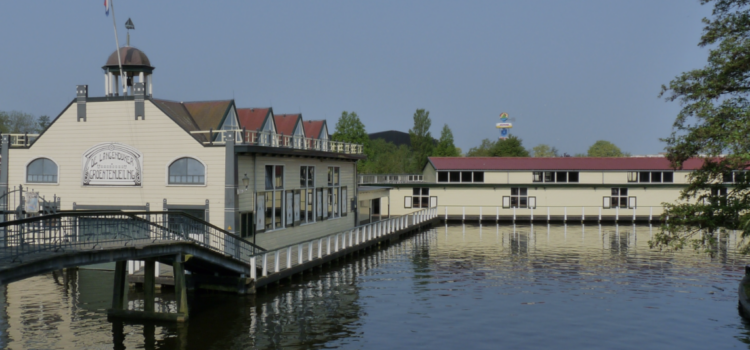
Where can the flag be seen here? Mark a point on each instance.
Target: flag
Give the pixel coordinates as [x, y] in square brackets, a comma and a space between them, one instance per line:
[106, 8]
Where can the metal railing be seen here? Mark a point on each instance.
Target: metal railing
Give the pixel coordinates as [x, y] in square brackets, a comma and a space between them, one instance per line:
[365, 179]
[270, 139]
[82, 230]
[288, 257]
[22, 140]
[549, 213]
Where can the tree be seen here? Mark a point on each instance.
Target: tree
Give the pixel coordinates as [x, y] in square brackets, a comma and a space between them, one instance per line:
[543, 150]
[349, 128]
[713, 124]
[445, 146]
[388, 158]
[483, 150]
[510, 147]
[44, 122]
[603, 148]
[16, 122]
[422, 143]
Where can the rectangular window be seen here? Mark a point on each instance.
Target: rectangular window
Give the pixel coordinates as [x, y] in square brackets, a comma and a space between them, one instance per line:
[310, 205]
[307, 176]
[562, 176]
[656, 176]
[549, 176]
[619, 197]
[728, 177]
[278, 221]
[268, 222]
[466, 176]
[572, 176]
[479, 176]
[632, 176]
[442, 176]
[644, 176]
[344, 201]
[421, 197]
[319, 204]
[333, 202]
[455, 176]
[519, 197]
[538, 176]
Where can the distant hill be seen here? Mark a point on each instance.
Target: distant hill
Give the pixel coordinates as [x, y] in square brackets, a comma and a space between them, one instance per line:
[398, 138]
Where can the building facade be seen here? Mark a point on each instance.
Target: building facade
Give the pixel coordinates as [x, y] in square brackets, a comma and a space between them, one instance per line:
[242, 169]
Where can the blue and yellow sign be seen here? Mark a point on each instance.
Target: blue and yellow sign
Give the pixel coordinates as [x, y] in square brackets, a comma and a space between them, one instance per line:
[504, 125]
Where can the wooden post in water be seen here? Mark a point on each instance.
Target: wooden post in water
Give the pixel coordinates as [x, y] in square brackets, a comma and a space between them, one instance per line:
[120, 294]
[180, 288]
[149, 286]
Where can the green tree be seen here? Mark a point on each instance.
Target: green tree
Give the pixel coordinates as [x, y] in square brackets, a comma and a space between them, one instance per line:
[16, 122]
[713, 124]
[510, 147]
[483, 150]
[543, 150]
[603, 148]
[388, 158]
[422, 143]
[44, 122]
[445, 146]
[349, 128]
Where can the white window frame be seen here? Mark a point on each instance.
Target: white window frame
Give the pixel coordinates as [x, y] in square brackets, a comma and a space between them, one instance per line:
[273, 191]
[26, 173]
[166, 173]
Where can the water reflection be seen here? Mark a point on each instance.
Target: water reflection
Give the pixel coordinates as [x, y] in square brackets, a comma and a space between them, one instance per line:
[449, 287]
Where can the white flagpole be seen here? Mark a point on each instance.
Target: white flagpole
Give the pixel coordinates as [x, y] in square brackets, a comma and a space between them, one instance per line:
[123, 78]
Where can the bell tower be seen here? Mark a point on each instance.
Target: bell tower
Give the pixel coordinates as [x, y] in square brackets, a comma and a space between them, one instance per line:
[136, 68]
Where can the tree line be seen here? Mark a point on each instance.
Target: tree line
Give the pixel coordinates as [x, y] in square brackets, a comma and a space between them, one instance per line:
[15, 122]
[386, 158]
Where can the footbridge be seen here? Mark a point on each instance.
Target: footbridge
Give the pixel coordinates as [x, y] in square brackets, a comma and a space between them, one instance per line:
[46, 243]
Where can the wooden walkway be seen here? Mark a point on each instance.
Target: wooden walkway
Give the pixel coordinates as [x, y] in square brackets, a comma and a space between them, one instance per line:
[275, 265]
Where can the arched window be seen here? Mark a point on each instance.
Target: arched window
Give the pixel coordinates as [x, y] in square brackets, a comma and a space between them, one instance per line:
[41, 170]
[187, 171]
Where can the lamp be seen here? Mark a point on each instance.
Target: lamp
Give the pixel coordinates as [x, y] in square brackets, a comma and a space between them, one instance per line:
[246, 183]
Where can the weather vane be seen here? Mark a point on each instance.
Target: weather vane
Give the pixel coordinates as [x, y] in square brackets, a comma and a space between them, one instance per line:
[504, 126]
[129, 25]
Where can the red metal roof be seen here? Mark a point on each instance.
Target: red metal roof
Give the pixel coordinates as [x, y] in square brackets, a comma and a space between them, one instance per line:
[313, 128]
[252, 118]
[285, 123]
[559, 163]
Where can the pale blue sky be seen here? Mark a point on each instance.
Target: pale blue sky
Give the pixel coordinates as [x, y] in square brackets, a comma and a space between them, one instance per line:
[570, 72]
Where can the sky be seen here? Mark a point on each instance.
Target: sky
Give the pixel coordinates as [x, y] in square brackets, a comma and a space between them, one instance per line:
[570, 72]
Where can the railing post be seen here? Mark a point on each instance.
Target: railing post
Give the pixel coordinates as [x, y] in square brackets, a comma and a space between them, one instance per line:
[514, 214]
[446, 213]
[320, 249]
[617, 213]
[299, 254]
[565, 214]
[532, 214]
[497, 214]
[310, 251]
[289, 258]
[252, 268]
[328, 247]
[265, 264]
[633, 214]
[336, 244]
[583, 213]
[463, 213]
[650, 213]
[480, 215]
[276, 260]
[600, 214]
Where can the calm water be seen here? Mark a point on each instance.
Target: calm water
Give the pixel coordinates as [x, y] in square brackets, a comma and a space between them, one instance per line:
[452, 287]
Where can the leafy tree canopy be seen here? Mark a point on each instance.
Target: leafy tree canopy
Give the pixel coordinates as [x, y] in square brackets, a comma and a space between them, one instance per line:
[422, 143]
[388, 159]
[510, 147]
[603, 148]
[349, 128]
[713, 124]
[16, 122]
[445, 146]
[545, 151]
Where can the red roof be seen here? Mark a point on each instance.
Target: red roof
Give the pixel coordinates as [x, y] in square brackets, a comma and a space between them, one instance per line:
[559, 163]
[313, 128]
[285, 123]
[252, 118]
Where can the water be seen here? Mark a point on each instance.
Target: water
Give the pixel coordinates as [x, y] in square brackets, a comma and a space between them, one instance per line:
[452, 287]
